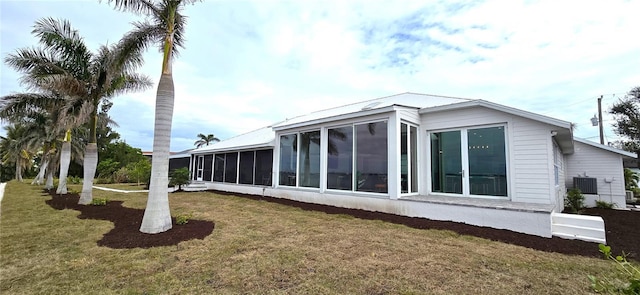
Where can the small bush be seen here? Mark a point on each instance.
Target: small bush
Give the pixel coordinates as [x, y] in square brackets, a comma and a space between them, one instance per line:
[74, 180]
[102, 180]
[121, 176]
[179, 177]
[183, 218]
[99, 201]
[574, 202]
[604, 205]
[625, 269]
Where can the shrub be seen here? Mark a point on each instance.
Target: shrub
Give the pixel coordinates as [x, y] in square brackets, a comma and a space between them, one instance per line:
[121, 176]
[625, 269]
[74, 180]
[574, 201]
[179, 177]
[102, 180]
[604, 205]
[140, 171]
[99, 201]
[183, 218]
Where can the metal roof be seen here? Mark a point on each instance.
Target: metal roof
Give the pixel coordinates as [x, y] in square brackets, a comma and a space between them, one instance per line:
[424, 103]
[372, 106]
[260, 138]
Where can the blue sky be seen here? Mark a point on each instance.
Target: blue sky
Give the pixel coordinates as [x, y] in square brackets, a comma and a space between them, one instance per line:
[248, 64]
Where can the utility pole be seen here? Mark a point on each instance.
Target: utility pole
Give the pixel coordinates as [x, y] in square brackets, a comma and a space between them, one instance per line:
[600, 119]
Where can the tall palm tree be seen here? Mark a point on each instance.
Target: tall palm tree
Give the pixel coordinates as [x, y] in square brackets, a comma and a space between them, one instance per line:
[65, 65]
[165, 28]
[205, 140]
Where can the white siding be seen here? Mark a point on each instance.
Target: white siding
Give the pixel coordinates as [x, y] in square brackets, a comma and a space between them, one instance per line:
[601, 164]
[529, 150]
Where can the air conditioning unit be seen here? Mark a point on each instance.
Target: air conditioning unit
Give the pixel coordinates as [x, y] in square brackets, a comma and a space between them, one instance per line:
[587, 185]
[629, 196]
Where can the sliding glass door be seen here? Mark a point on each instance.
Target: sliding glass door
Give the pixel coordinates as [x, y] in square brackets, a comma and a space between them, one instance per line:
[469, 162]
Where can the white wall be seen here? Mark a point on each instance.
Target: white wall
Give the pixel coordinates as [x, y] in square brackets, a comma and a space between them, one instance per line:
[529, 222]
[529, 150]
[601, 164]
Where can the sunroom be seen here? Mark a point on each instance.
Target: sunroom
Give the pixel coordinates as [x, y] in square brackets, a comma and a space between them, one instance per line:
[414, 155]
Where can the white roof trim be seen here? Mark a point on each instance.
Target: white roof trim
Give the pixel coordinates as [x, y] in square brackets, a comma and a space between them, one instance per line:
[352, 115]
[499, 107]
[607, 148]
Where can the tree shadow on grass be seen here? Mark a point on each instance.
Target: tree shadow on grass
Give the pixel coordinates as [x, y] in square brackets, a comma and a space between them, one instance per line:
[126, 232]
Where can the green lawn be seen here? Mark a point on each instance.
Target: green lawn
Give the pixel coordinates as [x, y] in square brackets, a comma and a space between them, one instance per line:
[259, 247]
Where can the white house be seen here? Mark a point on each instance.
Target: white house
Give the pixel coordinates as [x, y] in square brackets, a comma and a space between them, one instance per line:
[436, 157]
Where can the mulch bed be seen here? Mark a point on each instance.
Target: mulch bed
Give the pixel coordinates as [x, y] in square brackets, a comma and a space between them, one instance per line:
[126, 233]
[623, 227]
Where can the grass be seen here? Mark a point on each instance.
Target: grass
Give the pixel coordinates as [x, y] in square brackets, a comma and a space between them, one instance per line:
[259, 247]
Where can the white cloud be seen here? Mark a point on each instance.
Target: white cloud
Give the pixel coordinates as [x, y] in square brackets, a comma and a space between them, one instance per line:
[248, 64]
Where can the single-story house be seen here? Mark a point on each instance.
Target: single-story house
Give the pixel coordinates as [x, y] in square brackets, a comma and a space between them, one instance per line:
[436, 157]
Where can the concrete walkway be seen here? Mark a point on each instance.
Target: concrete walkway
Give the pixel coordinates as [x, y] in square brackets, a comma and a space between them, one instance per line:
[171, 189]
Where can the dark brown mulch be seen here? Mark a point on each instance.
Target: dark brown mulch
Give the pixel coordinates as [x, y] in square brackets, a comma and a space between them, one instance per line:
[126, 232]
[623, 227]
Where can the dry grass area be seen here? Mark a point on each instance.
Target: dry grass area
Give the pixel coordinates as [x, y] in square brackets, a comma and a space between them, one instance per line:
[260, 247]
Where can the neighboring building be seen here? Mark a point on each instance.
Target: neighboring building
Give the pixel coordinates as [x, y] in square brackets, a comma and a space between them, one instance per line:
[436, 157]
[176, 159]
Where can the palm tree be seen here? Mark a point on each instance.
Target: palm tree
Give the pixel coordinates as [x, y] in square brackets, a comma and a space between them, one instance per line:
[205, 140]
[15, 149]
[165, 28]
[64, 65]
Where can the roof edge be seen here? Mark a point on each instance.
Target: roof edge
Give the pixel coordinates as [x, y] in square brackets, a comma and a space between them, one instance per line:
[607, 148]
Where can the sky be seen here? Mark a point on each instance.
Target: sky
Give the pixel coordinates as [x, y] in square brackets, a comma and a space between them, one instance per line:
[248, 64]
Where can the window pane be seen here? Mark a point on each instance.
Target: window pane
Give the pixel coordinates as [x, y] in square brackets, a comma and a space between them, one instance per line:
[218, 168]
[446, 162]
[246, 167]
[371, 157]
[404, 159]
[340, 158]
[264, 165]
[487, 162]
[288, 159]
[310, 159]
[413, 144]
[231, 168]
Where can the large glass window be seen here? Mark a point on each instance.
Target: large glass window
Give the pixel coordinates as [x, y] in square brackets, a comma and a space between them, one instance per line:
[340, 158]
[246, 167]
[218, 168]
[446, 162]
[231, 167]
[486, 162]
[371, 157]
[310, 159]
[263, 167]
[288, 159]
[408, 158]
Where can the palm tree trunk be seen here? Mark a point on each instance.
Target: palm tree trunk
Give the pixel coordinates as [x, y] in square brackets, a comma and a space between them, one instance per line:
[157, 217]
[65, 160]
[18, 171]
[43, 168]
[49, 183]
[90, 163]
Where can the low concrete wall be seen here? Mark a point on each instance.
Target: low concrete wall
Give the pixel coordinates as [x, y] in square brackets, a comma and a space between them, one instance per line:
[534, 223]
